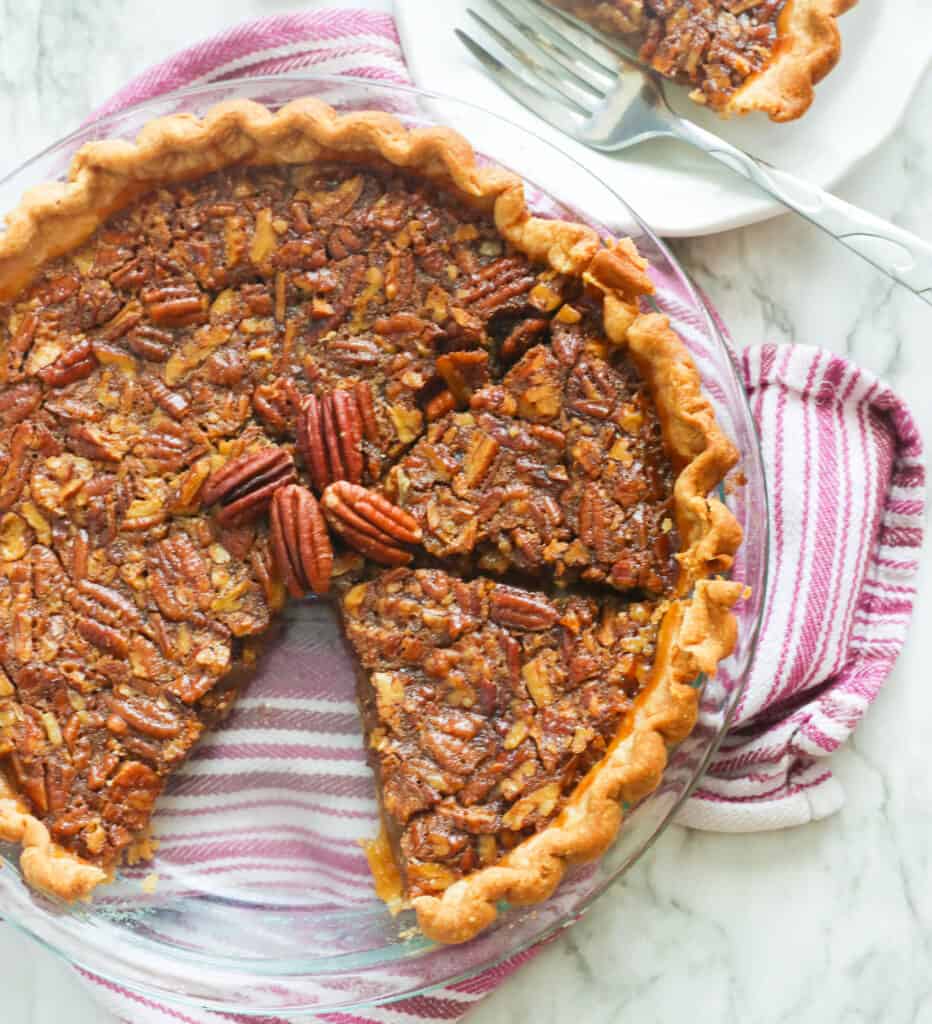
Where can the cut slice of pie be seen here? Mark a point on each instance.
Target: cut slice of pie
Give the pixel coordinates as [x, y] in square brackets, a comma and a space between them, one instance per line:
[738, 55]
[506, 725]
[200, 331]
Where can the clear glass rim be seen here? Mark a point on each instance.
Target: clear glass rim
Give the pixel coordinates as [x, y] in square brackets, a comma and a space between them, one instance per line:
[337, 965]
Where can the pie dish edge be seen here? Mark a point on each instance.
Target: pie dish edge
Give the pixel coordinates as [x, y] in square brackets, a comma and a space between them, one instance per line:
[698, 630]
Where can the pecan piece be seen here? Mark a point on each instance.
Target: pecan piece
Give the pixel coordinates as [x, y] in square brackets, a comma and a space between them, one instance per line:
[463, 373]
[148, 717]
[20, 344]
[173, 402]
[518, 609]
[105, 616]
[17, 402]
[14, 477]
[439, 405]
[622, 269]
[366, 405]
[176, 304]
[497, 286]
[123, 322]
[300, 543]
[355, 352]
[151, 343]
[171, 446]
[370, 523]
[131, 275]
[275, 403]
[244, 487]
[190, 688]
[330, 431]
[342, 242]
[178, 579]
[97, 303]
[132, 796]
[91, 442]
[523, 336]
[400, 278]
[75, 364]
[104, 637]
[352, 273]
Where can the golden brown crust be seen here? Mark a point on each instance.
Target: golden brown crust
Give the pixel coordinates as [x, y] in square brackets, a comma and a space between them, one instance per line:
[699, 450]
[808, 47]
[104, 176]
[699, 628]
[695, 636]
[45, 865]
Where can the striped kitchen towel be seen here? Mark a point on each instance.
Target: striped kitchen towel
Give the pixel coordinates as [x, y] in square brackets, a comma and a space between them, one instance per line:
[844, 464]
[265, 801]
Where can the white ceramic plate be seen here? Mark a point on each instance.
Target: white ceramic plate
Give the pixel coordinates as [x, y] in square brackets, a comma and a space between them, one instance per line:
[677, 190]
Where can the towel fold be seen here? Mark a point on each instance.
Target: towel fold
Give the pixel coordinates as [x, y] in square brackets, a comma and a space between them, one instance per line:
[844, 464]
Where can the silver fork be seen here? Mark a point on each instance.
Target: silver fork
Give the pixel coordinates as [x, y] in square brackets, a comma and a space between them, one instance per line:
[592, 89]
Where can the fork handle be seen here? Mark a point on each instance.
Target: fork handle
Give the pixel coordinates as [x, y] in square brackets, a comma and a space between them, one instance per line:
[901, 255]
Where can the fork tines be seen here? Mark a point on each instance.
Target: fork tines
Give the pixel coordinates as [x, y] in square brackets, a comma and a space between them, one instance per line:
[556, 58]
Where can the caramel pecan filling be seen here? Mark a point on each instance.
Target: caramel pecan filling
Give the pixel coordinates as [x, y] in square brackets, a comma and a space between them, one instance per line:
[155, 393]
[198, 410]
[558, 471]
[713, 45]
[485, 705]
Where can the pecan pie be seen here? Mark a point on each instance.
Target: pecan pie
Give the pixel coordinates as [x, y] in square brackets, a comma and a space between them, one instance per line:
[738, 55]
[265, 354]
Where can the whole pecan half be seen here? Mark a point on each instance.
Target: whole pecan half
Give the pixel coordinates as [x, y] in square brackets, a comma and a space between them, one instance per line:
[370, 523]
[17, 402]
[300, 542]
[244, 487]
[519, 609]
[330, 433]
[499, 286]
[75, 364]
[175, 304]
[152, 343]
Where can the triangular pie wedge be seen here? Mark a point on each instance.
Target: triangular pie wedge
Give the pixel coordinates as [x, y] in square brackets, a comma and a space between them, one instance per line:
[738, 55]
[505, 726]
[201, 330]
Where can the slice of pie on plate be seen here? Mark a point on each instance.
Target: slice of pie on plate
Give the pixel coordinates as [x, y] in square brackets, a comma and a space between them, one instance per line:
[738, 55]
[257, 354]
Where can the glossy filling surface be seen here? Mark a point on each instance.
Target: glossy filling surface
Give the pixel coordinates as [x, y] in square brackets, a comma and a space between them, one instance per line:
[485, 704]
[259, 329]
[558, 472]
[713, 45]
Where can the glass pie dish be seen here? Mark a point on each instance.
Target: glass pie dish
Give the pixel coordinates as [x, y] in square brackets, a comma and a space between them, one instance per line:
[259, 898]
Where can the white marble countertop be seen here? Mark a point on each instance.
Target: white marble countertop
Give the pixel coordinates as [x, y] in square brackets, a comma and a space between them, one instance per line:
[829, 922]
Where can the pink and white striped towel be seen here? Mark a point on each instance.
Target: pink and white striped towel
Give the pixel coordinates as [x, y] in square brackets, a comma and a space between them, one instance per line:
[844, 461]
[845, 470]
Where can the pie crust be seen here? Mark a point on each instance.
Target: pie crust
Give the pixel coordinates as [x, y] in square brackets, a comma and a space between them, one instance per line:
[699, 628]
[806, 48]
